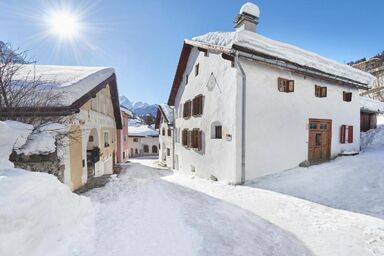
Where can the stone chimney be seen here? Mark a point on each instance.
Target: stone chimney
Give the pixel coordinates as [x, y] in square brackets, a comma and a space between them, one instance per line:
[248, 18]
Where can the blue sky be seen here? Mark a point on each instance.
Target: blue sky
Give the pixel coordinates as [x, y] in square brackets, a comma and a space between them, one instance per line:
[142, 39]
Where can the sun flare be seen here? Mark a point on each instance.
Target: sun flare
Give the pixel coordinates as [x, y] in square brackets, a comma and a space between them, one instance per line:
[64, 24]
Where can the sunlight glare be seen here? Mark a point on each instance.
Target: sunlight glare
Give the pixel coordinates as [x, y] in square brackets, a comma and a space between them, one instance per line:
[64, 24]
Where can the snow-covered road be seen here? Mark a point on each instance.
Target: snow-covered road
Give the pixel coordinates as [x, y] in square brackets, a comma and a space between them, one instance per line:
[141, 213]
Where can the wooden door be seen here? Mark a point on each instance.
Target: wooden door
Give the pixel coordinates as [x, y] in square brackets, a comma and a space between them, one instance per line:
[319, 144]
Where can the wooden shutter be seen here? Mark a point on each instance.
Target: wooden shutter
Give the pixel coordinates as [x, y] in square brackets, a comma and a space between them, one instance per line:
[350, 134]
[323, 91]
[291, 86]
[189, 139]
[317, 91]
[200, 140]
[342, 134]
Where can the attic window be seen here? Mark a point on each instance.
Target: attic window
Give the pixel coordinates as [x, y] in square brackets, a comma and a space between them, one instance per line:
[197, 67]
[320, 91]
[285, 85]
[347, 96]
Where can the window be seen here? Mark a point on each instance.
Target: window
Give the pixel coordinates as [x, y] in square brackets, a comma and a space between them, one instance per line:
[169, 132]
[123, 154]
[168, 152]
[106, 139]
[197, 67]
[154, 149]
[346, 134]
[186, 78]
[125, 138]
[320, 91]
[135, 140]
[196, 139]
[136, 152]
[285, 85]
[197, 105]
[184, 137]
[163, 132]
[146, 149]
[218, 132]
[187, 109]
[347, 96]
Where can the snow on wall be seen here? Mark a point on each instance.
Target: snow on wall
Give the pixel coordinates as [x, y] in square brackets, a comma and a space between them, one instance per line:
[72, 81]
[285, 51]
[371, 105]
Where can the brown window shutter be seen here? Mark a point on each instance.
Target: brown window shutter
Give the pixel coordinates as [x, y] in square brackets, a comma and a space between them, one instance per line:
[350, 134]
[200, 140]
[189, 139]
[201, 104]
[323, 91]
[342, 134]
[291, 85]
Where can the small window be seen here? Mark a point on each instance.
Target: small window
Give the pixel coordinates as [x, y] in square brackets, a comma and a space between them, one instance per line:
[135, 140]
[187, 109]
[323, 126]
[318, 139]
[136, 152]
[169, 132]
[312, 126]
[186, 78]
[163, 132]
[168, 152]
[285, 85]
[125, 138]
[320, 91]
[154, 149]
[206, 54]
[146, 149]
[106, 139]
[218, 132]
[197, 67]
[346, 134]
[197, 105]
[347, 96]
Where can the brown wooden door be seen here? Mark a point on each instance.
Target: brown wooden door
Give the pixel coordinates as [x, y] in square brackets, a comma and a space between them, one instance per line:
[319, 144]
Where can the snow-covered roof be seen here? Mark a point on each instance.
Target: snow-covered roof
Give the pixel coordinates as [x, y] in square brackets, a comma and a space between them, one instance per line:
[167, 112]
[142, 131]
[127, 111]
[263, 45]
[72, 81]
[371, 105]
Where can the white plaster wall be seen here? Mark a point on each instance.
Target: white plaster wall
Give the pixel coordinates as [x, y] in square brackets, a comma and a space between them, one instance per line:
[150, 141]
[166, 142]
[277, 122]
[218, 157]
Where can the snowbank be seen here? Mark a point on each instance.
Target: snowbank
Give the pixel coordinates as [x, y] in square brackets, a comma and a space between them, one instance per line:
[41, 216]
[38, 214]
[12, 135]
[373, 138]
[284, 51]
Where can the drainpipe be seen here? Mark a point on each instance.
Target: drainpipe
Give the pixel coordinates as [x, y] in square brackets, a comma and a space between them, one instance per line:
[243, 109]
[173, 138]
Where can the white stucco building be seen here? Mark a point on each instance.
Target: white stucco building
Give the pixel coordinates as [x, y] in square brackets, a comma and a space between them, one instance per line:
[164, 122]
[248, 106]
[143, 140]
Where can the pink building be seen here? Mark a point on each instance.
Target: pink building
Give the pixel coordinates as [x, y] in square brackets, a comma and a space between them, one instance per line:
[122, 136]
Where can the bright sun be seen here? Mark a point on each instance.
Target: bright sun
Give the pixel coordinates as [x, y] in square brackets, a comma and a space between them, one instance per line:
[64, 24]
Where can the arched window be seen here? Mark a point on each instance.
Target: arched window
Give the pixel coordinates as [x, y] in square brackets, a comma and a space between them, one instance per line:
[146, 149]
[154, 149]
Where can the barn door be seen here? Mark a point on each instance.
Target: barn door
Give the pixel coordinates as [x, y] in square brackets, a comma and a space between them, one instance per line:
[319, 144]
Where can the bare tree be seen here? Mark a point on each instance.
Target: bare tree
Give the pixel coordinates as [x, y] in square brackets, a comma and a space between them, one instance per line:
[24, 96]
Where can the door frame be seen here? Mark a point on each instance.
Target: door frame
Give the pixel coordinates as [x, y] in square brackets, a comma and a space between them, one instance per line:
[329, 121]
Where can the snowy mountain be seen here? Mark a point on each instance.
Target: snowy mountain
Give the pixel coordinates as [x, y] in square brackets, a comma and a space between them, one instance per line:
[6, 51]
[138, 107]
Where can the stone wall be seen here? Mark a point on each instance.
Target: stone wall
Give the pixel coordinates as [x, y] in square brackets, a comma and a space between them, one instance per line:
[40, 163]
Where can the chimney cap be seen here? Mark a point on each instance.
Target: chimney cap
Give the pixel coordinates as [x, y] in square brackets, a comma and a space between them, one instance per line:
[250, 9]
